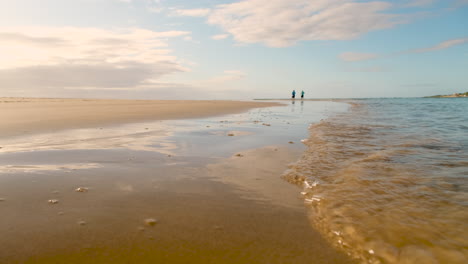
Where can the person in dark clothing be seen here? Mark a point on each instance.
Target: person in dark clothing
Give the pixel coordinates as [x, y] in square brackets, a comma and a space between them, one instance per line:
[302, 94]
[293, 94]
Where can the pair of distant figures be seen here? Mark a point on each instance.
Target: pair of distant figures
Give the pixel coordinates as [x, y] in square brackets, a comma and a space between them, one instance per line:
[294, 94]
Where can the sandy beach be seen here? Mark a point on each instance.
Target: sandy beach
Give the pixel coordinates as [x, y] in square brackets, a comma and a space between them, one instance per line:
[33, 115]
[90, 184]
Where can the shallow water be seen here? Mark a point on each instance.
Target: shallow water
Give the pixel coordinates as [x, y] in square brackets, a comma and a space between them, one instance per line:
[387, 182]
[211, 206]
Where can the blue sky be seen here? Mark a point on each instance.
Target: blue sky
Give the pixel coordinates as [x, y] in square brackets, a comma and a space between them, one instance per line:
[220, 49]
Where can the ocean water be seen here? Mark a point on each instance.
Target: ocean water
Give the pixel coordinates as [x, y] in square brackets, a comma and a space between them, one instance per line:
[387, 181]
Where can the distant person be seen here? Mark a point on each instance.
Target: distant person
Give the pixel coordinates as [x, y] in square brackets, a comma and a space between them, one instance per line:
[294, 94]
[302, 94]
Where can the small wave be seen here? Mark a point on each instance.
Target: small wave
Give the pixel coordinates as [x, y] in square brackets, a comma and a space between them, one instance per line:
[385, 192]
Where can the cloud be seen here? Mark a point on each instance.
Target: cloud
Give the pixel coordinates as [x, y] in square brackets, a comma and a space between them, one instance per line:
[21, 38]
[443, 45]
[355, 56]
[78, 75]
[156, 10]
[199, 12]
[227, 76]
[220, 82]
[282, 23]
[220, 36]
[41, 58]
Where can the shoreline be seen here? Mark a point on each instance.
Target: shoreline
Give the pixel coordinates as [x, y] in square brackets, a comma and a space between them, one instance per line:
[22, 116]
[216, 198]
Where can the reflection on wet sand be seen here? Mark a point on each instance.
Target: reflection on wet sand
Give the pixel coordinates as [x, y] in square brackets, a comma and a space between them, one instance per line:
[174, 193]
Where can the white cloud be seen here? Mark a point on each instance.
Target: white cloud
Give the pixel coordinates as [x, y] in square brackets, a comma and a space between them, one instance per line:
[355, 56]
[443, 45]
[70, 57]
[220, 36]
[199, 12]
[156, 10]
[221, 81]
[281, 23]
[227, 76]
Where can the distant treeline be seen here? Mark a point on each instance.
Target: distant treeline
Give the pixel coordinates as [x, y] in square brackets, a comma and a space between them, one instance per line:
[451, 95]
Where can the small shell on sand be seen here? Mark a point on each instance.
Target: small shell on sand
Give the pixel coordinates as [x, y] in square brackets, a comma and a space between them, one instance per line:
[266, 124]
[81, 189]
[231, 134]
[290, 142]
[82, 222]
[151, 222]
[53, 201]
[239, 155]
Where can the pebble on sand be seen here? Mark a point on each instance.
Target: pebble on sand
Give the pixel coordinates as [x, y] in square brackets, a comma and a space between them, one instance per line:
[266, 124]
[81, 222]
[151, 222]
[231, 134]
[290, 142]
[81, 189]
[53, 201]
[239, 155]
[2, 199]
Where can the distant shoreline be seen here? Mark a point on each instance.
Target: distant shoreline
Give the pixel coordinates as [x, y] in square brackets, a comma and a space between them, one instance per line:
[455, 95]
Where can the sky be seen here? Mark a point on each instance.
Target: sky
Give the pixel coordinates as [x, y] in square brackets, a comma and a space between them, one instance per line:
[225, 49]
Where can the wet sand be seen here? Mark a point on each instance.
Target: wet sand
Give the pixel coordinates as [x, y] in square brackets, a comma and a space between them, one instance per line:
[32, 115]
[155, 195]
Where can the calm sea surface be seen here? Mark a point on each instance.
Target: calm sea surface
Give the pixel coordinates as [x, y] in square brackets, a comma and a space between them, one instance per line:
[387, 181]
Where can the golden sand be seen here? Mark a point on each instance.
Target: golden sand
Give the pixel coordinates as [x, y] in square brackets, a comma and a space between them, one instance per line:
[30, 115]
